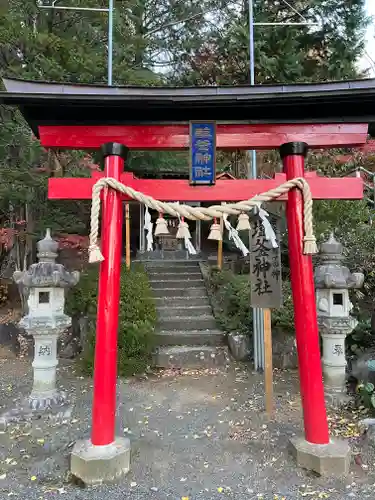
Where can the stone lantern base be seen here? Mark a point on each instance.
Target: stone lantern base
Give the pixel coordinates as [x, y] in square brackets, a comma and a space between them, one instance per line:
[337, 400]
[28, 410]
[46, 400]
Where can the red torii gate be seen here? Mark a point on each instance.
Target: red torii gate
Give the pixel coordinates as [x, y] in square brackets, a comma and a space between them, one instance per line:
[57, 129]
[143, 137]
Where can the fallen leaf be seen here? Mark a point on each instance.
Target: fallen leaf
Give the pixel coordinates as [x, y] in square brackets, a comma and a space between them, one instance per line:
[33, 478]
[220, 489]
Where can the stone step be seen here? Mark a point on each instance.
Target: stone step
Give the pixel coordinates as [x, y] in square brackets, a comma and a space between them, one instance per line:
[179, 292]
[188, 322]
[190, 338]
[177, 302]
[174, 263]
[167, 276]
[186, 309]
[190, 357]
[173, 267]
[183, 283]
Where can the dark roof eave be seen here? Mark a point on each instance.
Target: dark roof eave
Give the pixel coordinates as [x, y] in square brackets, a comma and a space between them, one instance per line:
[84, 105]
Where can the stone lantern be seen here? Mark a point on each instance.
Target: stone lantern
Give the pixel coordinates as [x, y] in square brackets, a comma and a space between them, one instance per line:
[332, 283]
[45, 283]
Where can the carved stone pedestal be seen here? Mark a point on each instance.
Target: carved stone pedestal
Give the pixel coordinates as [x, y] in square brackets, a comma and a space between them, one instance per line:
[334, 332]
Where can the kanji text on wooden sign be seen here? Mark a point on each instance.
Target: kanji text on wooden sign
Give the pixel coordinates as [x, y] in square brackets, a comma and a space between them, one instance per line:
[265, 267]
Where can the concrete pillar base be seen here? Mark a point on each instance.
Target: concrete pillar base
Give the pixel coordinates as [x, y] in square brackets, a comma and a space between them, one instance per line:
[100, 464]
[331, 459]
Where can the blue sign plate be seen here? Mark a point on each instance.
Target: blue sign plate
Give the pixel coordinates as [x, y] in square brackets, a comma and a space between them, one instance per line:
[202, 153]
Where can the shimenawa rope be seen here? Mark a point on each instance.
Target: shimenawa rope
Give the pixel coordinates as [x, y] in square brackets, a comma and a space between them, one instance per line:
[201, 213]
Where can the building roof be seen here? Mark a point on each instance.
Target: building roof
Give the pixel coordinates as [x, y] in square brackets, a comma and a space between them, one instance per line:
[225, 176]
[44, 103]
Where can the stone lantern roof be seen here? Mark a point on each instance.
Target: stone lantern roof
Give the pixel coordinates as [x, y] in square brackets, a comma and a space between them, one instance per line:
[331, 250]
[331, 274]
[46, 272]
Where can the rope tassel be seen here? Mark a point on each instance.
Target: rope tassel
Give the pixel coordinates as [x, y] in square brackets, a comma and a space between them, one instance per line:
[95, 254]
[183, 230]
[215, 232]
[243, 223]
[161, 226]
[201, 213]
[309, 245]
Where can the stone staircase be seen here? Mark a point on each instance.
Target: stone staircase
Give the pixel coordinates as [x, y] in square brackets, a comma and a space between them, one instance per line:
[187, 335]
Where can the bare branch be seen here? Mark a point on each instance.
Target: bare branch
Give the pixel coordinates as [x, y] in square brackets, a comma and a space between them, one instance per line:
[295, 10]
[172, 23]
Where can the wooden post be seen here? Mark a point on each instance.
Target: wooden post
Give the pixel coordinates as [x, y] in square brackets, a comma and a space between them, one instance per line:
[220, 245]
[127, 236]
[268, 368]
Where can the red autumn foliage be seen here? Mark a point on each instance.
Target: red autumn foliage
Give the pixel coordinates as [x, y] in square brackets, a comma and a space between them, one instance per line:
[364, 152]
[87, 162]
[7, 236]
[72, 242]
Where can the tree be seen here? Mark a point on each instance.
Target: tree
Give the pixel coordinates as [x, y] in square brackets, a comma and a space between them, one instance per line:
[201, 41]
[283, 54]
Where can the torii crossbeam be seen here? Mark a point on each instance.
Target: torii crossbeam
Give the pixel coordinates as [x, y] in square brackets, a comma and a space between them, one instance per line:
[289, 118]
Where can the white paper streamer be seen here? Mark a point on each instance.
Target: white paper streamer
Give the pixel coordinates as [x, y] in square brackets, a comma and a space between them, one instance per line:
[233, 235]
[148, 228]
[269, 233]
[188, 244]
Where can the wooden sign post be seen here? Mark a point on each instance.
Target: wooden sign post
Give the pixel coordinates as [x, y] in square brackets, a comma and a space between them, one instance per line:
[266, 291]
[220, 244]
[268, 366]
[127, 236]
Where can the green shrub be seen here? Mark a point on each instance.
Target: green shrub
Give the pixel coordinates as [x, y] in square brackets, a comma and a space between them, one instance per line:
[230, 299]
[137, 318]
[366, 394]
[360, 339]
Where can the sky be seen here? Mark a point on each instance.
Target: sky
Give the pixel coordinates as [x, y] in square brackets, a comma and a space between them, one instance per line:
[370, 37]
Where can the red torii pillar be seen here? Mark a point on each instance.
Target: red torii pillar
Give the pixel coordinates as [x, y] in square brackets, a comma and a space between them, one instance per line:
[307, 335]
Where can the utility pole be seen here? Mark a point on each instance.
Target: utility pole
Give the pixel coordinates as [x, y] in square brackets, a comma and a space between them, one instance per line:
[258, 314]
[110, 28]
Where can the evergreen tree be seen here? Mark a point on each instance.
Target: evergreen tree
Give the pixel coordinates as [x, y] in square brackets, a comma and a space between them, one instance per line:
[164, 41]
[283, 54]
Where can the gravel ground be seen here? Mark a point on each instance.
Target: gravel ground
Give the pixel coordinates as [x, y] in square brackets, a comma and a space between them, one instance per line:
[198, 435]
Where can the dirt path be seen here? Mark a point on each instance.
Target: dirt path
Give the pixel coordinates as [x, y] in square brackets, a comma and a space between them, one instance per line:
[196, 436]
